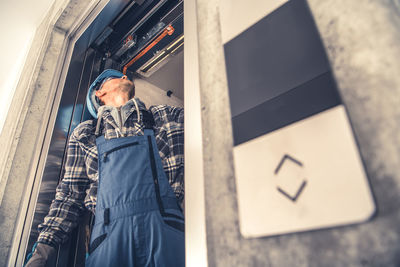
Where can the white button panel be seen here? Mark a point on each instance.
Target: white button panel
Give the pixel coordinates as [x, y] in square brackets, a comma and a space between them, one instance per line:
[305, 176]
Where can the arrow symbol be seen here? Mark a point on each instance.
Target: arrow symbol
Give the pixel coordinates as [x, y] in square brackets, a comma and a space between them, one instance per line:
[303, 184]
[285, 157]
[297, 194]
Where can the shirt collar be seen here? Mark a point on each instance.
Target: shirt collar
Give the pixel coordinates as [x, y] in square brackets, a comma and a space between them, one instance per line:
[126, 109]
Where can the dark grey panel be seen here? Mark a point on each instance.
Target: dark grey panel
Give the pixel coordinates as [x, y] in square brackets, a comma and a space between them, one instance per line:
[69, 115]
[106, 16]
[308, 99]
[278, 53]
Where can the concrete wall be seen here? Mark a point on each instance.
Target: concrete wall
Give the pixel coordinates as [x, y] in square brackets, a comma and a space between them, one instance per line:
[32, 110]
[24, 16]
[362, 41]
[152, 95]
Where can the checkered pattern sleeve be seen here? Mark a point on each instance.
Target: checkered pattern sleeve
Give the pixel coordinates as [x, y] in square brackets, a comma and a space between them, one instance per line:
[69, 199]
[176, 114]
[170, 142]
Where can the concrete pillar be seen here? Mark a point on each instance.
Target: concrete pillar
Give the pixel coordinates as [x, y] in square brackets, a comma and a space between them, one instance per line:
[362, 41]
[32, 112]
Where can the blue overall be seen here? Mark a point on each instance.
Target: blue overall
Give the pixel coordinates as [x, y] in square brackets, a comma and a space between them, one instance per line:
[138, 221]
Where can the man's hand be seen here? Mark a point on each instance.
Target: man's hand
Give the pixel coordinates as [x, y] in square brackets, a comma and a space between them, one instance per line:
[42, 253]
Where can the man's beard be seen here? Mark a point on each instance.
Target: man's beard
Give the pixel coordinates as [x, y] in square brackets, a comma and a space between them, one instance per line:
[125, 86]
[128, 87]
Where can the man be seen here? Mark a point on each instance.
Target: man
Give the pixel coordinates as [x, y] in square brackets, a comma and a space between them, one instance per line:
[126, 166]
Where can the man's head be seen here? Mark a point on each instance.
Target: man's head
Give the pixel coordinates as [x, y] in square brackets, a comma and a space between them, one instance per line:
[111, 87]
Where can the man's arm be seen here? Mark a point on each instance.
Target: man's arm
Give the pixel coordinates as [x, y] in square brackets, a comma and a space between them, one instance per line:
[69, 200]
[176, 114]
[164, 114]
[170, 142]
[68, 203]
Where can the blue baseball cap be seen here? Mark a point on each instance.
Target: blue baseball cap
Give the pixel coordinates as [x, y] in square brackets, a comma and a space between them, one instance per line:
[92, 102]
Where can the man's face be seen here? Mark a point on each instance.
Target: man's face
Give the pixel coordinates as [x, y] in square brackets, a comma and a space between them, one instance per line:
[117, 85]
[114, 87]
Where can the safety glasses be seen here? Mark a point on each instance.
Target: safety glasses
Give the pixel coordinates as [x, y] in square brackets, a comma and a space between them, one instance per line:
[106, 80]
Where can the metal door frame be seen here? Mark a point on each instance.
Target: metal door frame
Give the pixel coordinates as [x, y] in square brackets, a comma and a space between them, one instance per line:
[25, 217]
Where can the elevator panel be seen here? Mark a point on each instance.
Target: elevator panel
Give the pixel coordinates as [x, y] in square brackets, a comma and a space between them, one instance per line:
[296, 159]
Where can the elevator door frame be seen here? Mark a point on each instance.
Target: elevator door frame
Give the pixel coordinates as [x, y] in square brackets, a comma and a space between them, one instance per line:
[195, 221]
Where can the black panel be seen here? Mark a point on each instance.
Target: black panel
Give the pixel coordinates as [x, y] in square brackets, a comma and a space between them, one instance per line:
[69, 116]
[299, 103]
[278, 73]
[139, 21]
[167, 40]
[112, 9]
[173, 14]
[278, 53]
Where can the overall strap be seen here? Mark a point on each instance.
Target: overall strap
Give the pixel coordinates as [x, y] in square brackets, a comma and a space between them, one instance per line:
[154, 160]
[148, 121]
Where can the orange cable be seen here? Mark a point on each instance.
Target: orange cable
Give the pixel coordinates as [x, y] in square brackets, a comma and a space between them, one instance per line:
[168, 31]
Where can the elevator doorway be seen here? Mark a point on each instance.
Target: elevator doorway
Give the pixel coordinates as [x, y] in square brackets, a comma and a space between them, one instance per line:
[143, 39]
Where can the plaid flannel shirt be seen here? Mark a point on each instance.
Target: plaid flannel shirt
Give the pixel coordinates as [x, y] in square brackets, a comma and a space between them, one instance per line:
[78, 188]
